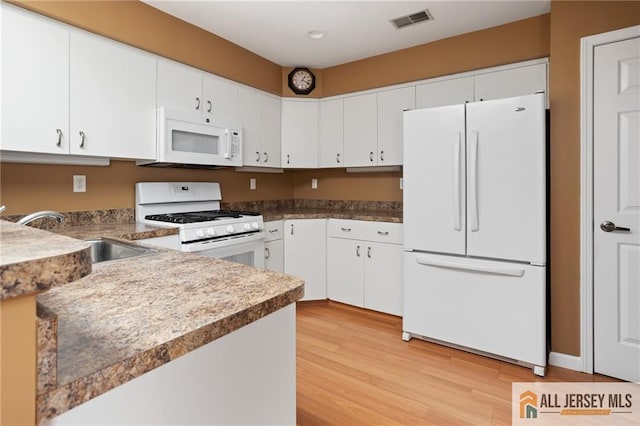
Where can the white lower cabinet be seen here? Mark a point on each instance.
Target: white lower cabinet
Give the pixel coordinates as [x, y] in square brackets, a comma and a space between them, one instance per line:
[365, 264]
[305, 244]
[274, 246]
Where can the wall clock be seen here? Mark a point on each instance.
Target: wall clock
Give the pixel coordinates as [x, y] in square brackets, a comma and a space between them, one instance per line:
[301, 81]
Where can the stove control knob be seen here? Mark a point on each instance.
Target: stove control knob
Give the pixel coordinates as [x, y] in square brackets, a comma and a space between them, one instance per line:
[230, 229]
[255, 225]
[211, 231]
[200, 233]
[246, 227]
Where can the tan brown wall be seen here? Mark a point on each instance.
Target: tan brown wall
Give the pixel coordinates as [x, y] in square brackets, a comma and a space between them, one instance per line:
[569, 22]
[337, 184]
[26, 188]
[513, 42]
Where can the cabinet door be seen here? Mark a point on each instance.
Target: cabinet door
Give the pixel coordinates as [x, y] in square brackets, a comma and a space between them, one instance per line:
[345, 271]
[446, 92]
[274, 255]
[331, 134]
[179, 86]
[383, 279]
[305, 255]
[35, 84]
[270, 123]
[509, 83]
[299, 134]
[250, 117]
[113, 99]
[220, 99]
[360, 130]
[391, 104]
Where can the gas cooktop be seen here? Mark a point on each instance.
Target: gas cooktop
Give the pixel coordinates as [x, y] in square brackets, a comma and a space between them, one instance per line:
[199, 216]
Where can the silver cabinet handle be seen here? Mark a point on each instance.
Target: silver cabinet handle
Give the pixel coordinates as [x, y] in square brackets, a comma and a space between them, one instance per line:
[383, 232]
[371, 156]
[358, 251]
[369, 252]
[59, 132]
[82, 137]
[338, 158]
[608, 226]
[273, 231]
[346, 229]
[197, 103]
[266, 156]
[267, 253]
[209, 106]
[381, 155]
[292, 229]
[257, 156]
[288, 158]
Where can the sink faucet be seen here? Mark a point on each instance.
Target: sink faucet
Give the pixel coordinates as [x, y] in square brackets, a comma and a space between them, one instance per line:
[37, 215]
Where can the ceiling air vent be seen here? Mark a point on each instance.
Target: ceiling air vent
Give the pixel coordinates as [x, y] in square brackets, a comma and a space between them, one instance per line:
[414, 18]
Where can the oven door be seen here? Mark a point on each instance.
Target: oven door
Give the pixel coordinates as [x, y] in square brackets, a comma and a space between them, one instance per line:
[246, 249]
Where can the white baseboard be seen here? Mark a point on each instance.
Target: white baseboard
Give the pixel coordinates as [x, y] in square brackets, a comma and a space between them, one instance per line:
[565, 361]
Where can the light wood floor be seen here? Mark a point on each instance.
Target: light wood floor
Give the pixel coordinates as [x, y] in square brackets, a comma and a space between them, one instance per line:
[353, 368]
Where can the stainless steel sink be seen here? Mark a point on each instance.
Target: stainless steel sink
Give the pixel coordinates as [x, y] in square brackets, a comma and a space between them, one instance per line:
[105, 249]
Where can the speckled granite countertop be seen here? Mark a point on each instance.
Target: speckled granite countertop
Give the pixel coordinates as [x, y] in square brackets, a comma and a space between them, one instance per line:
[131, 316]
[125, 231]
[329, 213]
[32, 260]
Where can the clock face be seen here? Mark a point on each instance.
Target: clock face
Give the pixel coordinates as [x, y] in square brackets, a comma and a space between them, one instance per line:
[302, 81]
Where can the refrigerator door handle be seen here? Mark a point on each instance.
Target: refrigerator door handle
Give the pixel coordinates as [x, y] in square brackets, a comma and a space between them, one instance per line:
[473, 176]
[456, 183]
[496, 270]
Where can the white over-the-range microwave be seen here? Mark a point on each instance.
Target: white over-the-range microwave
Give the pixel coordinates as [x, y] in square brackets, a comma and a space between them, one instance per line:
[186, 139]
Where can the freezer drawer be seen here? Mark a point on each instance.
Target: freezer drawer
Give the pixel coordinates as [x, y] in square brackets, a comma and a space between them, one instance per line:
[494, 307]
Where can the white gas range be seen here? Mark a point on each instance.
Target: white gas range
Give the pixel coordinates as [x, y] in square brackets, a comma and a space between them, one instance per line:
[194, 208]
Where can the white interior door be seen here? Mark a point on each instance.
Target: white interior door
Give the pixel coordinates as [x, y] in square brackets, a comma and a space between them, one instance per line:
[616, 139]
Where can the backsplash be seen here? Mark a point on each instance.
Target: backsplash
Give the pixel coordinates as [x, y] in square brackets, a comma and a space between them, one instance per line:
[127, 215]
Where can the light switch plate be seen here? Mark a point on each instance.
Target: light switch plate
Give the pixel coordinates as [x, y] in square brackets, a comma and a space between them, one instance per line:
[401, 183]
[79, 183]
[314, 183]
[252, 183]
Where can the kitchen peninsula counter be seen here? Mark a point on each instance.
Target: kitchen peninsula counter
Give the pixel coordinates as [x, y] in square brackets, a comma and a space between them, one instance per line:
[134, 315]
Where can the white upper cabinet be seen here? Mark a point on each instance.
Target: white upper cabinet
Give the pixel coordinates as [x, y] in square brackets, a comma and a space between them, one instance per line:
[483, 86]
[446, 92]
[270, 121]
[185, 88]
[179, 86]
[331, 133]
[35, 84]
[220, 99]
[299, 133]
[511, 82]
[260, 115]
[112, 99]
[360, 130]
[391, 103]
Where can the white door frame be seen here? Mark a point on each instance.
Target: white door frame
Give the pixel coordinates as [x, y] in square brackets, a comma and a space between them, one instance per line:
[587, 46]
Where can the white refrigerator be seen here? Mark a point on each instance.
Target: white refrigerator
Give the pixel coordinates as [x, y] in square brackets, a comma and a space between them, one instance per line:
[475, 228]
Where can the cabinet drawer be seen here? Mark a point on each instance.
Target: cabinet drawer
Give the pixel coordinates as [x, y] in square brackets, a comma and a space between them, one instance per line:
[274, 230]
[384, 232]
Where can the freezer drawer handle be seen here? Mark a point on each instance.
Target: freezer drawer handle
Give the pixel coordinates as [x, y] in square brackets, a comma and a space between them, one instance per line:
[496, 270]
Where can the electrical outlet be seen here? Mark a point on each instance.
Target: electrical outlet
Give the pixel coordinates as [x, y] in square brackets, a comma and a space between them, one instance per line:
[401, 183]
[314, 183]
[252, 183]
[79, 183]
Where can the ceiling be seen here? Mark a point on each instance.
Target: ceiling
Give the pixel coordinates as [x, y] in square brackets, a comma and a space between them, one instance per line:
[278, 30]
